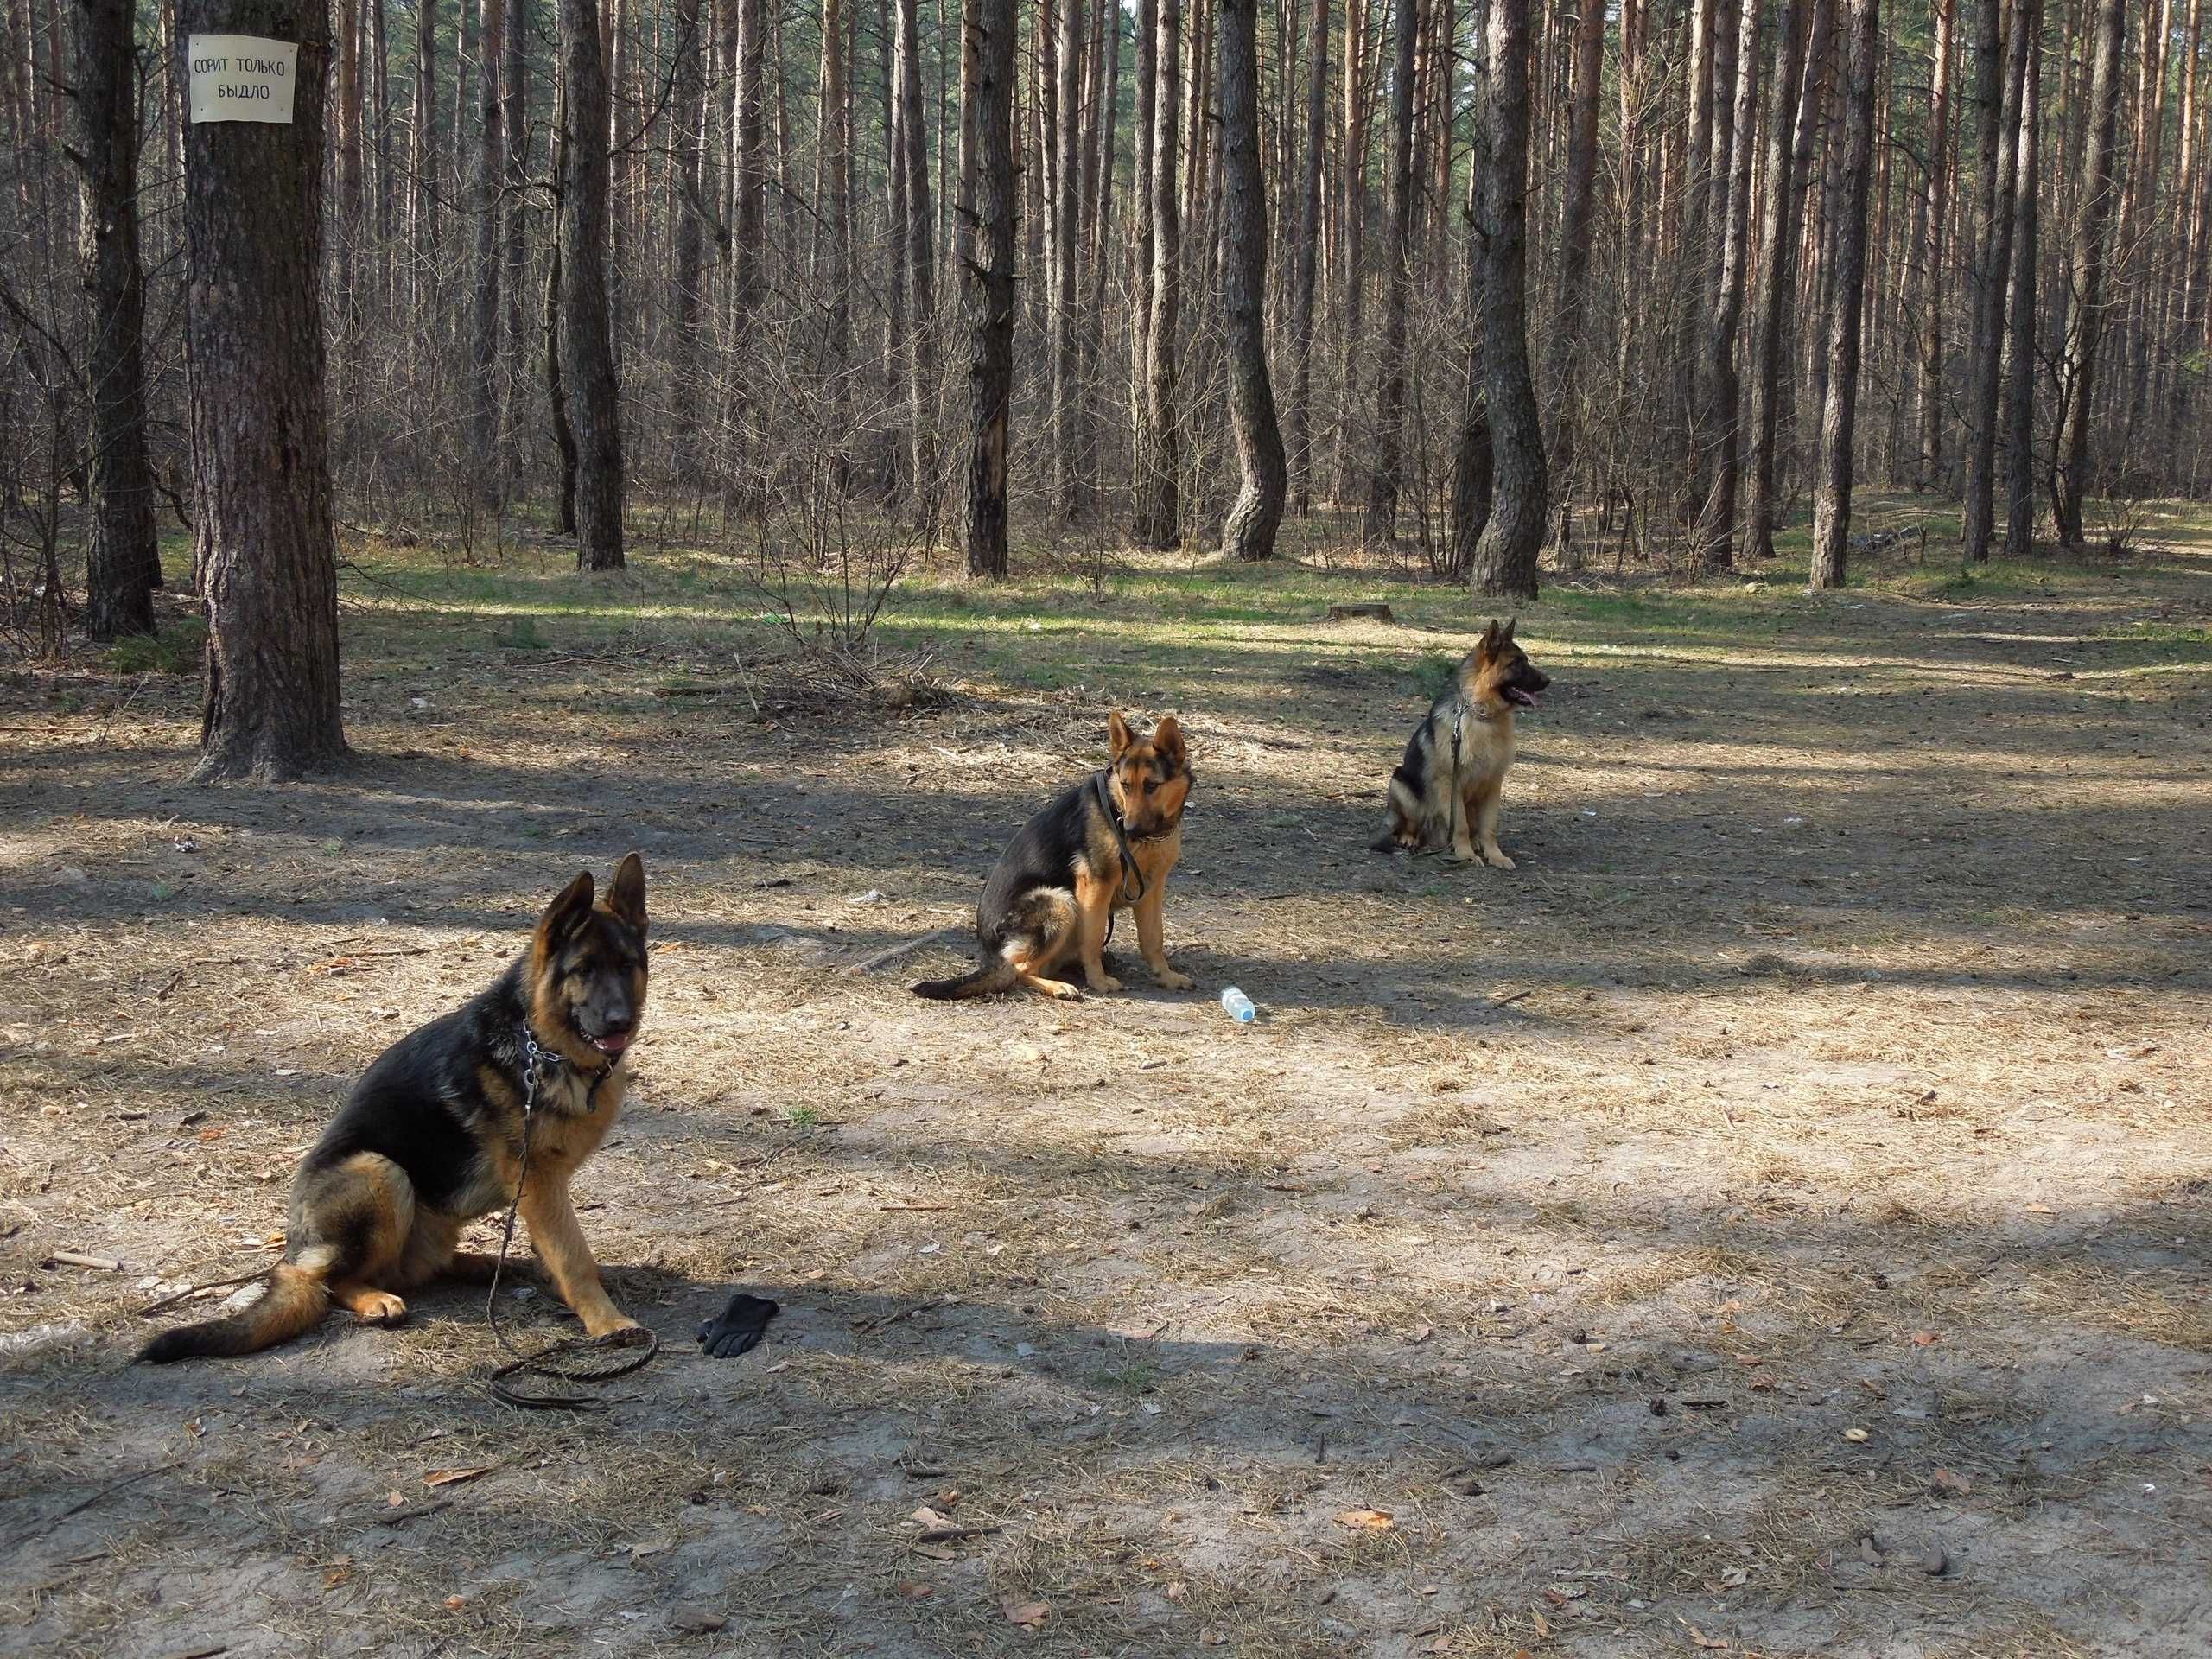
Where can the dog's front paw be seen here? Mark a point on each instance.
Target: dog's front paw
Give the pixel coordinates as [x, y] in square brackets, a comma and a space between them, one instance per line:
[1103, 983]
[1453, 855]
[1171, 981]
[1498, 860]
[609, 1327]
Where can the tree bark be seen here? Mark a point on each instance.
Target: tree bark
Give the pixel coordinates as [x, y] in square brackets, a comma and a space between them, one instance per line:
[1788, 163]
[1308, 262]
[123, 566]
[1250, 532]
[748, 250]
[1990, 278]
[1718, 422]
[1505, 557]
[261, 459]
[422, 163]
[1385, 477]
[1932, 214]
[921, 260]
[557, 393]
[986, 78]
[1158, 515]
[1473, 476]
[484, 331]
[587, 338]
[2020, 363]
[687, 160]
[1068, 502]
[2086, 269]
[1839, 418]
[1576, 217]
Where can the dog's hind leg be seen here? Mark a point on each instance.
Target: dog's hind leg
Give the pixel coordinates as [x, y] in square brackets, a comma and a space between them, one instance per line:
[1050, 927]
[364, 1209]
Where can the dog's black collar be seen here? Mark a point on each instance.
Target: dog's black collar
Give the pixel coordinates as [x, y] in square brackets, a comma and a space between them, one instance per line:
[536, 1054]
[1099, 788]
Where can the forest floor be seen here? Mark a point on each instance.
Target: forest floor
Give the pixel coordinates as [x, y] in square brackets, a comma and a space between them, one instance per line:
[1771, 1220]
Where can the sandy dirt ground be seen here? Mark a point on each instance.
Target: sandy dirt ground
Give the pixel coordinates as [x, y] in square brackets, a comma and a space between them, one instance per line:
[1771, 1220]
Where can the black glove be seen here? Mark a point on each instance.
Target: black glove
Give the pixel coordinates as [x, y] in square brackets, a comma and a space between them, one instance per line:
[739, 1326]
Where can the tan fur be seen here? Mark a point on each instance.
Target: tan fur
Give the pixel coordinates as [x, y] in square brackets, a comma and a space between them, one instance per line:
[359, 1237]
[1459, 756]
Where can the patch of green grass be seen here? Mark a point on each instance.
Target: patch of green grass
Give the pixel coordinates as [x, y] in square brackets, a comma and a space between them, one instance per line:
[1138, 1376]
[522, 634]
[1433, 674]
[176, 650]
[803, 1117]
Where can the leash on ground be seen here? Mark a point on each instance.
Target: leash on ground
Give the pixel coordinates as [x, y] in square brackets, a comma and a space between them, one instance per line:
[620, 1352]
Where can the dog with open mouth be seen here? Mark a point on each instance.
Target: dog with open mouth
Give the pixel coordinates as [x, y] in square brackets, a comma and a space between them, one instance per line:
[434, 1137]
[1443, 795]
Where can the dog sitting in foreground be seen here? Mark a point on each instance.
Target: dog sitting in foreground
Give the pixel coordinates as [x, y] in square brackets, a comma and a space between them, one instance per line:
[432, 1136]
[1105, 844]
[1444, 794]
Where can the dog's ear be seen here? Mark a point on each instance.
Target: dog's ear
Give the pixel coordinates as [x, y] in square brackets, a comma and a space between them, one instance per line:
[1487, 645]
[1168, 742]
[560, 918]
[1506, 638]
[1118, 733]
[626, 897]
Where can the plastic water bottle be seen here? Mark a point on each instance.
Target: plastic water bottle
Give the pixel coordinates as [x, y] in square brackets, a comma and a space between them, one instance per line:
[1238, 1006]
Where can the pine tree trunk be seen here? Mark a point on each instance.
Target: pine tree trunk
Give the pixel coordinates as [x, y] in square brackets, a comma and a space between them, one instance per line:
[587, 337]
[687, 159]
[1931, 214]
[123, 566]
[1991, 279]
[1158, 516]
[1062, 304]
[987, 79]
[1250, 531]
[1473, 476]
[515, 223]
[1385, 477]
[749, 252]
[424, 168]
[921, 262]
[1788, 163]
[1839, 415]
[483, 332]
[1505, 557]
[2085, 315]
[1722, 416]
[1576, 218]
[557, 392]
[261, 459]
[1308, 261]
[2020, 362]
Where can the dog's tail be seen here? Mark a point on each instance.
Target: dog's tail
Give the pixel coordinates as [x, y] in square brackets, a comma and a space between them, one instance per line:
[294, 1298]
[993, 977]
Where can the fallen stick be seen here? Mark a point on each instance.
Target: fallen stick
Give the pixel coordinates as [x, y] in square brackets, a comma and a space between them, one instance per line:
[413, 1512]
[953, 1534]
[83, 1504]
[899, 950]
[73, 1259]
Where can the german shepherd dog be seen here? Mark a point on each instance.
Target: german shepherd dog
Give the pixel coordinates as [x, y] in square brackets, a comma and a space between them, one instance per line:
[1104, 844]
[432, 1136]
[1444, 794]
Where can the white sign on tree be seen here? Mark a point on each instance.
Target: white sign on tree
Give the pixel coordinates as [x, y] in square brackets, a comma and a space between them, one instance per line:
[241, 77]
